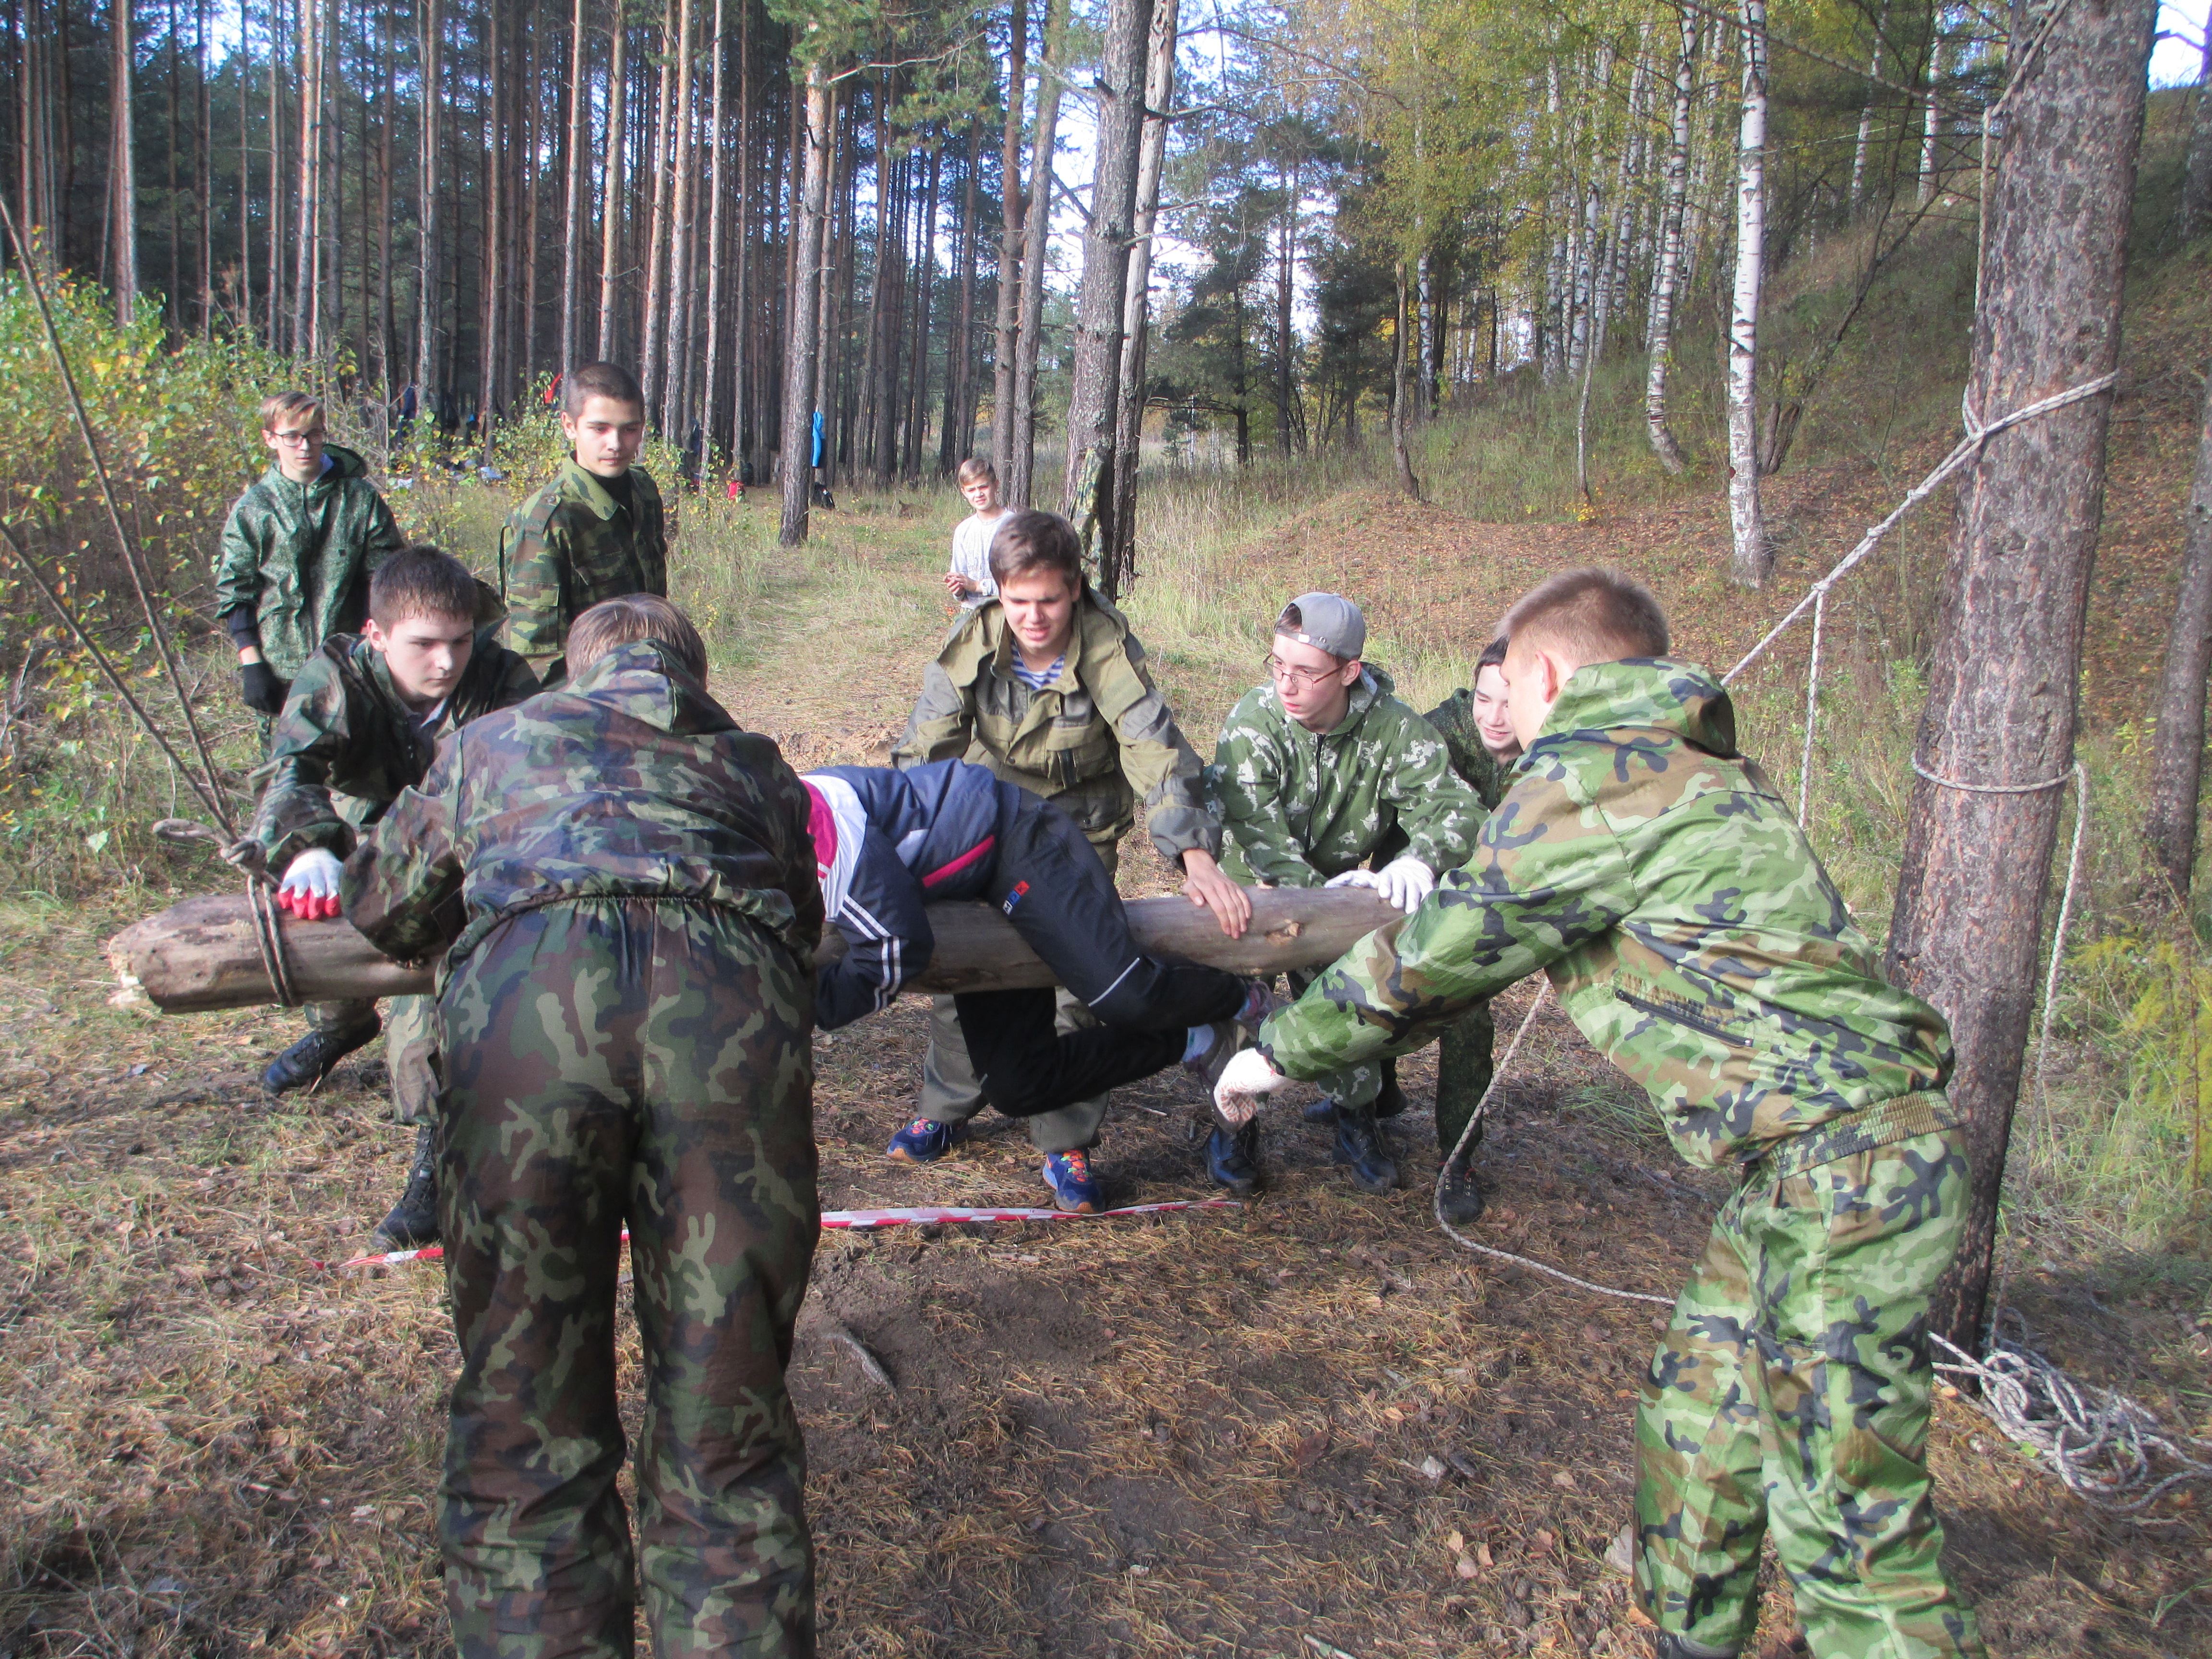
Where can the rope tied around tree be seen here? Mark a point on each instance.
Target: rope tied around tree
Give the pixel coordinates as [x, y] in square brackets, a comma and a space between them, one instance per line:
[250, 859]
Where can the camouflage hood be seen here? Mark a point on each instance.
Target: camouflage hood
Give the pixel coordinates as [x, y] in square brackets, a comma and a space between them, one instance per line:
[643, 681]
[1673, 698]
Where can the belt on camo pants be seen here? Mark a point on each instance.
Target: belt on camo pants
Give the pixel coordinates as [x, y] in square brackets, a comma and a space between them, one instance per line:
[1877, 1124]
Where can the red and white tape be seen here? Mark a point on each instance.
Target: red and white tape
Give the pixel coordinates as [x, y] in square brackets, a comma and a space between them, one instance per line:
[833, 1220]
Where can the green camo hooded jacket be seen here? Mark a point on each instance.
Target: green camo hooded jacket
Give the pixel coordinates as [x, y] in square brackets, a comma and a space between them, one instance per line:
[1300, 806]
[1687, 925]
[298, 556]
[571, 545]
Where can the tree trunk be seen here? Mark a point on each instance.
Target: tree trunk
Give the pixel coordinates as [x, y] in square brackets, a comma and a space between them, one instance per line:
[309, 230]
[1752, 560]
[2178, 754]
[1866, 117]
[496, 278]
[952, 439]
[924, 269]
[1930, 116]
[430, 27]
[610, 209]
[672, 415]
[710, 396]
[1406, 481]
[380, 323]
[122, 166]
[805, 297]
[1087, 491]
[1118, 559]
[659, 157]
[1661, 342]
[1285, 259]
[1019, 473]
[1010, 251]
[571, 240]
[2197, 183]
[2003, 686]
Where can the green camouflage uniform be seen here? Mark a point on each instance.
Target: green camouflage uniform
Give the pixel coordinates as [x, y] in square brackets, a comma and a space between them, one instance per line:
[1695, 939]
[1298, 807]
[1095, 743]
[345, 746]
[297, 556]
[623, 887]
[568, 547]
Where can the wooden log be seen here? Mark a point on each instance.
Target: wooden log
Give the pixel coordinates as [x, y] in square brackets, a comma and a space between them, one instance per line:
[200, 955]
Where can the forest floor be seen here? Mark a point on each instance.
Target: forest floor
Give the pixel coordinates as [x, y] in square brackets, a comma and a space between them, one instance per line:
[1204, 1432]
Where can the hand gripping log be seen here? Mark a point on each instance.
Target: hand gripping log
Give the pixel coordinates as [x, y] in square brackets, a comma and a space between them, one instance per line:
[202, 954]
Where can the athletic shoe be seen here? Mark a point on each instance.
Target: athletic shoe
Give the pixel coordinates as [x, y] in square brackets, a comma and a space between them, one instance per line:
[1232, 1159]
[313, 1058]
[1361, 1145]
[1460, 1201]
[413, 1222]
[924, 1142]
[1074, 1190]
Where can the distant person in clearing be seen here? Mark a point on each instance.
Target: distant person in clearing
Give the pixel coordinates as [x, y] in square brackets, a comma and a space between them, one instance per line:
[970, 580]
[1650, 868]
[595, 532]
[363, 724]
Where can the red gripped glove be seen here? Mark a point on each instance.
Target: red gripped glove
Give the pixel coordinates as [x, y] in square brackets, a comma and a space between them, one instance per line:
[310, 888]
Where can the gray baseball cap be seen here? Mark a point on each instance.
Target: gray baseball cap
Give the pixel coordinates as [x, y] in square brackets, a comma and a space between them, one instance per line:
[1326, 620]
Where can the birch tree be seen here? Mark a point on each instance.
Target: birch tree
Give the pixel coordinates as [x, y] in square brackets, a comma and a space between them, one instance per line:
[1660, 341]
[1752, 561]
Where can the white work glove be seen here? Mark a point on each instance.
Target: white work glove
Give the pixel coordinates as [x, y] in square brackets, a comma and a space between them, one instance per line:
[1406, 882]
[310, 890]
[1353, 878]
[1247, 1079]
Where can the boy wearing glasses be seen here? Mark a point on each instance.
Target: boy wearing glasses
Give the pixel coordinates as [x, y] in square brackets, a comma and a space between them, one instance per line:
[297, 551]
[1314, 774]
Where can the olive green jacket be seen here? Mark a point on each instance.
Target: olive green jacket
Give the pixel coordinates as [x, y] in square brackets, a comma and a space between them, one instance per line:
[1095, 743]
[568, 547]
[298, 556]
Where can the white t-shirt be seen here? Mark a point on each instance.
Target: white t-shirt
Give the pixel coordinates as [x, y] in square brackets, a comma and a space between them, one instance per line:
[971, 557]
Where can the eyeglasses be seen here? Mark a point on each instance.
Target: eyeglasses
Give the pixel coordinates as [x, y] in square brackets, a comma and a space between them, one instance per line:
[1299, 679]
[313, 434]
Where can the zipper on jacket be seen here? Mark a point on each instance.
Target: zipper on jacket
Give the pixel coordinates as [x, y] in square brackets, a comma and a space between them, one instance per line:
[1669, 1012]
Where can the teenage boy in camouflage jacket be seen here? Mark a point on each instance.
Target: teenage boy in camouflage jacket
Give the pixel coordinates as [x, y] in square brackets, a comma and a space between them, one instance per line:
[297, 551]
[1652, 871]
[1314, 774]
[595, 532]
[619, 887]
[362, 723]
[1047, 686]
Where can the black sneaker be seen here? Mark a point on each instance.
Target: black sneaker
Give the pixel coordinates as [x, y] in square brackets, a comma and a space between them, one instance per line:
[1232, 1159]
[309, 1061]
[1460, 1201]
[413, 1222]
[1360, 1145]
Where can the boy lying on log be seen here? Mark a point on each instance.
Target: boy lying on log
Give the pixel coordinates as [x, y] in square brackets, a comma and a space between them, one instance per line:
[1650, 868]
[888, 842]
[360, 724]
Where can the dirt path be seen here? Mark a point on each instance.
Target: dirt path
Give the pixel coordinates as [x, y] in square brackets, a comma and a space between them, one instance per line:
[1219, 1432]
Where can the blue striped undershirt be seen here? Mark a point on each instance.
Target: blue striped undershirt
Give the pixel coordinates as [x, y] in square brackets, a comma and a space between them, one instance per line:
[1038, 678]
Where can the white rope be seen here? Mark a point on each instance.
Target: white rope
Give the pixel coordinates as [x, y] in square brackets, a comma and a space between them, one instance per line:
[2103, 1446]
[1812, 714]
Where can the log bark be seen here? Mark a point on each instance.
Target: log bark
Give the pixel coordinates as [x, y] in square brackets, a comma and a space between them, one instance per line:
[2178, 755]
[200, 955]
[1968, 925]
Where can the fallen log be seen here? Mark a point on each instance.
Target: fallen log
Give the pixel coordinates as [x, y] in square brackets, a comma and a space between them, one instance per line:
[201, 954]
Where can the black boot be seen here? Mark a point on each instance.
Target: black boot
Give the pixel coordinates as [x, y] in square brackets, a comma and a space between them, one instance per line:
[309, 1061]
[1360, 1144]
[413, 1222]
[1460, 1201]
[1232, 1159]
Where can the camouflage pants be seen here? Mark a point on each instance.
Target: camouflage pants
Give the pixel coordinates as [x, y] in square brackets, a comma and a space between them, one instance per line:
[617, 1061]
[410, 1049]
[1463, 1072]
[1789, 1396]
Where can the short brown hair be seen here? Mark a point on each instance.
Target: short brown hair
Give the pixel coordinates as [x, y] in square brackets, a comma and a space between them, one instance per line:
[613, 623]
[599, 380]
[976, 470]
[1591, 615]
[1494, 654]
[421, 580]
[1030, 541]
[281, 404]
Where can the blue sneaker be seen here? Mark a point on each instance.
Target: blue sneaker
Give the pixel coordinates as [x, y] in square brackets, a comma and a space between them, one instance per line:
[1073, 1188]
[924, 1142]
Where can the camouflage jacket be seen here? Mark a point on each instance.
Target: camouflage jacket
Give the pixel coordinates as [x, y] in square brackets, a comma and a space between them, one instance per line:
[1687, 925]
[347, 744]
[630, 781]
[1095, 743]
[297, 556]
[1300, 806]
[1478, 768]
[570, 546]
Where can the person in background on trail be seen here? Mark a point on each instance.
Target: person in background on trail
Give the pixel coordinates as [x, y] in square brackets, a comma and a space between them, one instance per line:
[297, 551]
[362, 723]
[1649, 868]
[968, 579]
[1049, 688]
[888, 842]
[1479, 739]
[1315, 774]
[595, 532]
[618, 886]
